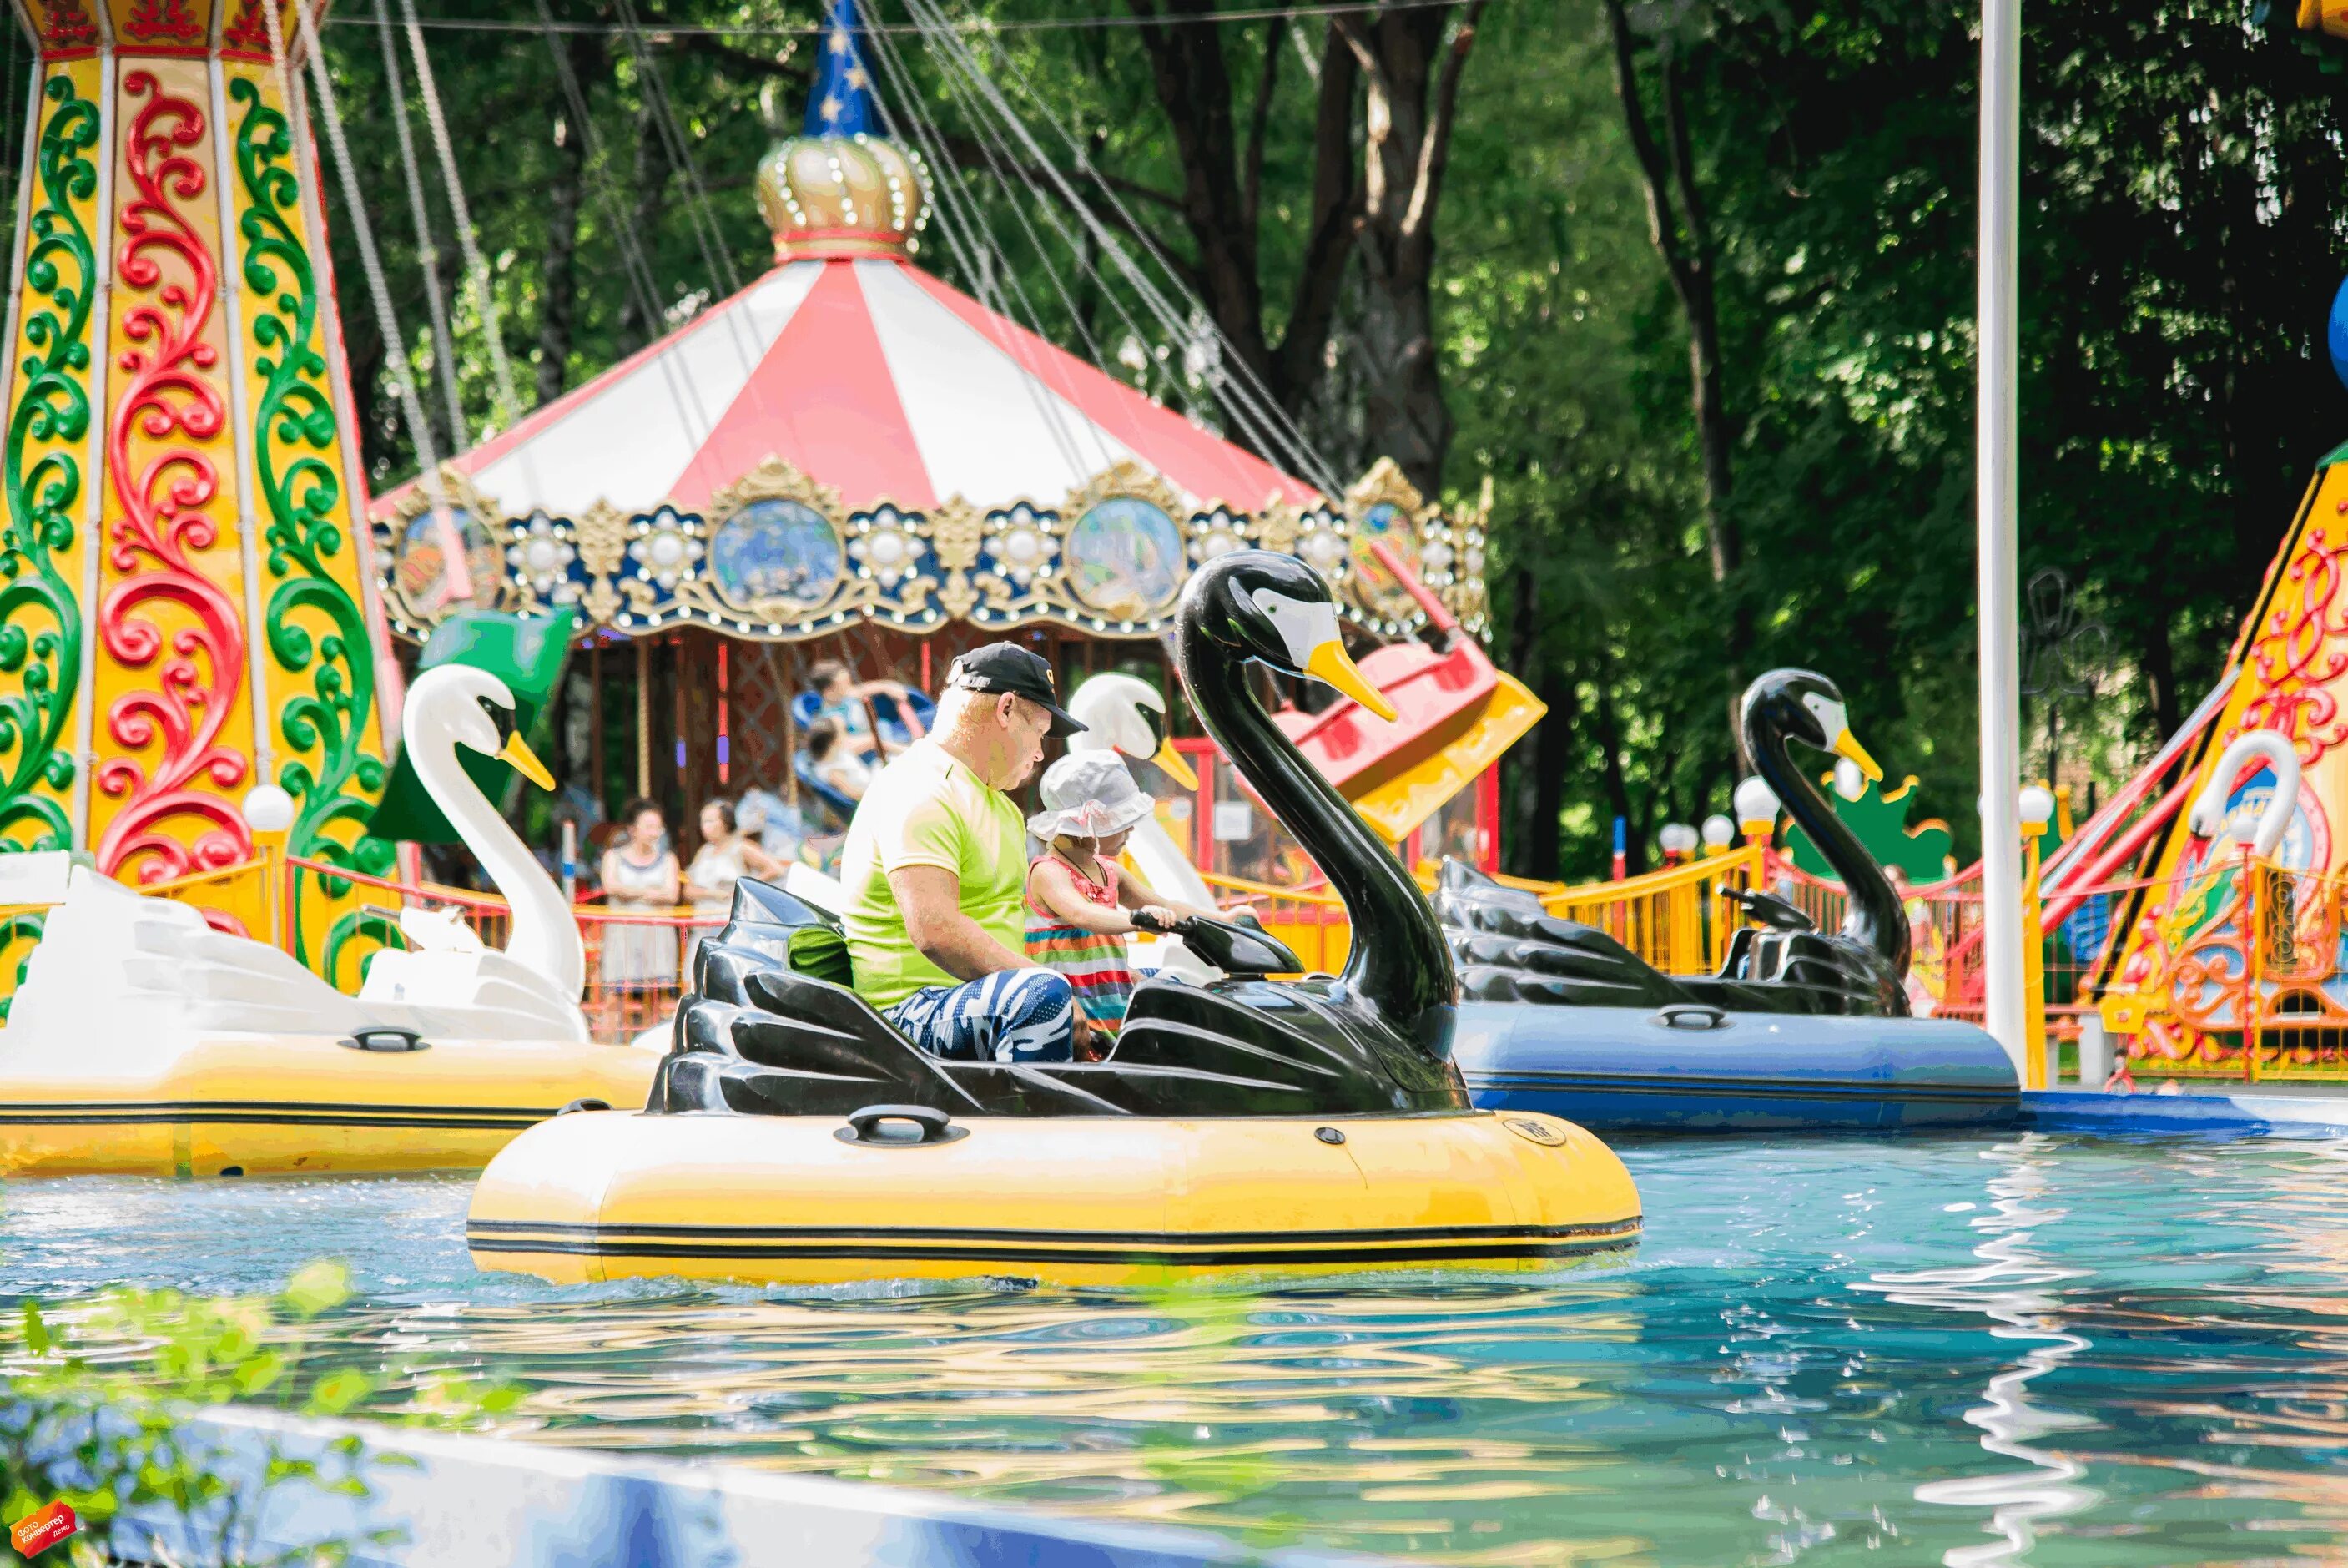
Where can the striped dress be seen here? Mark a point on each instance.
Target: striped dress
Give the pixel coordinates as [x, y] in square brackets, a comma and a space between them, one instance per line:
[1096, 965]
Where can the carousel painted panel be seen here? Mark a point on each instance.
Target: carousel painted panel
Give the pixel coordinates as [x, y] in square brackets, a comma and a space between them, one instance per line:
[173, 707]
[318, 671]
[2234, 959]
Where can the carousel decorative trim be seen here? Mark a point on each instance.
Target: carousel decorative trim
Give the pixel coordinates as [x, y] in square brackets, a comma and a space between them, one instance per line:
[779, 557]
[316, 632]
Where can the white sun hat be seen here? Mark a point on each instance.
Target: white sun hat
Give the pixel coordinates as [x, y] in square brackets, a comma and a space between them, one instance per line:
[1089, 795]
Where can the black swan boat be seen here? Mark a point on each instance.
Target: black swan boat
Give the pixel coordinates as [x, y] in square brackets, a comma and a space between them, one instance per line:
[1798, 1029]
[792, 1134]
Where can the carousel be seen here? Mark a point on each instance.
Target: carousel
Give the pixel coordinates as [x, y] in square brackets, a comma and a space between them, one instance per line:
[853, 461]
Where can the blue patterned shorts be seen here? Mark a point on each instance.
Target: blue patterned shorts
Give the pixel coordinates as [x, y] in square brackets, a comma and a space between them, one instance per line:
[1010, 1016]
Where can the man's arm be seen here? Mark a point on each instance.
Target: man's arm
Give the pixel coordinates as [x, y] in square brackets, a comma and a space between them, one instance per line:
[929, 899]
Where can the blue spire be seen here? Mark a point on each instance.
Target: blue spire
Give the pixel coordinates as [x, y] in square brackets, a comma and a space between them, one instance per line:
[842, 103]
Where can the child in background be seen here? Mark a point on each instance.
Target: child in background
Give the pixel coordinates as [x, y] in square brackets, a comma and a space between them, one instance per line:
[834, 761]
[1077, 899]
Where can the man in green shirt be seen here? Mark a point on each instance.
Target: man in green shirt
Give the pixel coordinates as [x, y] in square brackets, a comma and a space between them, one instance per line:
[935, 873]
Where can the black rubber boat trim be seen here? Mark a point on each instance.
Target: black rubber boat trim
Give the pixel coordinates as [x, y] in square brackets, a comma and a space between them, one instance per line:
[263, 1112]
[1086, 1238]
[1470, 1250]
[1773, 1088]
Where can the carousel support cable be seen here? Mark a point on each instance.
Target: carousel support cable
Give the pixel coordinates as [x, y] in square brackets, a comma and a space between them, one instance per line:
[992, 143]
[455, 572]
[1240, 390]
[970, 241]
[714, 254]
[476, 267]
[427, 244]
[1252, 405]
[711, 240]
[1011, 178]
[1101, 455]
[683, 395]
[973, 242]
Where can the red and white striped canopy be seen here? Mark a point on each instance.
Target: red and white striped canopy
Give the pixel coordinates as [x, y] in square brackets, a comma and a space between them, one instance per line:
[871, 376]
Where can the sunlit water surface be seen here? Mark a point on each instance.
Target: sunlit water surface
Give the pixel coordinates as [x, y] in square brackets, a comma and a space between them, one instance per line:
[1965, 1350]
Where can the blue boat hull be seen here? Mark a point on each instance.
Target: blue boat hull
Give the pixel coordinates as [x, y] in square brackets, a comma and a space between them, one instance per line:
[1622, 1070]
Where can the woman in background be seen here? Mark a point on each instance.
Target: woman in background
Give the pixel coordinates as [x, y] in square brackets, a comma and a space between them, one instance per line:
[727, 856]
[640, 877]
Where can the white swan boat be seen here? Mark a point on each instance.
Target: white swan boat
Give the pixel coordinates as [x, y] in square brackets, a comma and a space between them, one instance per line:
[145, 1042]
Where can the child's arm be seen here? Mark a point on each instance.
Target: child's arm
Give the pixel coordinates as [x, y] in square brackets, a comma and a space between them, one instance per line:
[1135, 893]
[1050, 885]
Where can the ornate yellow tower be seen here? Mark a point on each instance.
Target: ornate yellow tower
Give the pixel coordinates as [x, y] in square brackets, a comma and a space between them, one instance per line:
[186, 605]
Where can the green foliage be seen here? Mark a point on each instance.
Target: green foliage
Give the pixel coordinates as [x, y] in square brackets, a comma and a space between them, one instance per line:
[2182, 235]
[98, 1390]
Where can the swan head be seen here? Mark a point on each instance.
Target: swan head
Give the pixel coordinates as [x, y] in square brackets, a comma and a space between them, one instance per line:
[1276, 609]
[1125, 714]
[472, 708]
[2264, 833]
[1806, 707]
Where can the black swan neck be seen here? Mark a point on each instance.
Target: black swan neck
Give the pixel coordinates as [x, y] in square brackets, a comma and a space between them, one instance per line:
[1872, 914]
[1399, 963]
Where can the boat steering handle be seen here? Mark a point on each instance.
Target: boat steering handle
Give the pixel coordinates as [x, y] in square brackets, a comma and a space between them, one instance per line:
[936, 1125]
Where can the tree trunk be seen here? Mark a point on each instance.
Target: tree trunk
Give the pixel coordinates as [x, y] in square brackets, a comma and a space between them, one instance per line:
[1410, 74]
[2159, 660]
[1552, 758]
[651, 181]
[558, 291]
[1681, 229]
[1618, 786]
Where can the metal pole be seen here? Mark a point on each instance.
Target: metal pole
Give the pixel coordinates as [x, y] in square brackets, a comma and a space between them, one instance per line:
[1996, 496]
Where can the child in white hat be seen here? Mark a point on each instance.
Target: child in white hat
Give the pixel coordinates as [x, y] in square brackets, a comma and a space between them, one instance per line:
[1077, 898]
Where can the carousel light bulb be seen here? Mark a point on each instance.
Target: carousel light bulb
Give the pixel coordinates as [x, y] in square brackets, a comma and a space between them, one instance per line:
[1849, 781]
[1677, 839]
[1756, 805]
[1719, 832]
[2036, 805]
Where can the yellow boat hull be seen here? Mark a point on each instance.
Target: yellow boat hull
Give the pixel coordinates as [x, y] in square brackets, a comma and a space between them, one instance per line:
[252, 1105]
[1069, 1201]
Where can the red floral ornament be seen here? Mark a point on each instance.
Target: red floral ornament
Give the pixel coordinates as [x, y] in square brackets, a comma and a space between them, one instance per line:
[170, 825]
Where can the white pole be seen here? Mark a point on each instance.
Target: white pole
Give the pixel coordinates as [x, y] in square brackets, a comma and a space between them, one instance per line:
[1998, 594]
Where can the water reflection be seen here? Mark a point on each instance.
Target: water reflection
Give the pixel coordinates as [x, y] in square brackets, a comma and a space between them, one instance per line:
[2030, 1350]
[2012, 1285]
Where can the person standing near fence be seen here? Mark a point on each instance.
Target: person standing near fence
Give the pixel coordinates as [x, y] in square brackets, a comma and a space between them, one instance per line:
[724, 858]
[640, 877]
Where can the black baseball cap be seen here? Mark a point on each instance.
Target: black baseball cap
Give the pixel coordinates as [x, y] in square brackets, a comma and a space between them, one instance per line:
[1007, 667]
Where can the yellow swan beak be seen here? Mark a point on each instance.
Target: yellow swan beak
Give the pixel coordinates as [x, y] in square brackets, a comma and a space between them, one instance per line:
[1846, 745]
[1329, 665]
[525, 761]
[1177, 766]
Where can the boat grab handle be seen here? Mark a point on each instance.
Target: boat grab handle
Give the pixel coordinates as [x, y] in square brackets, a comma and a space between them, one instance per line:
[1690, 1016]
[935, 1126]
[384, 1037]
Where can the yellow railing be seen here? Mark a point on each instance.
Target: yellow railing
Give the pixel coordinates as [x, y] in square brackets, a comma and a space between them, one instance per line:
[1676, 919]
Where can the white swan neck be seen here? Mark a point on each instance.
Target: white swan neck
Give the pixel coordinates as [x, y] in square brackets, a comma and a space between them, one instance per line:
[543, 937]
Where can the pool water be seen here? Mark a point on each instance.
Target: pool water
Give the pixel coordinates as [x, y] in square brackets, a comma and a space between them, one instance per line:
[1968, 1350]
